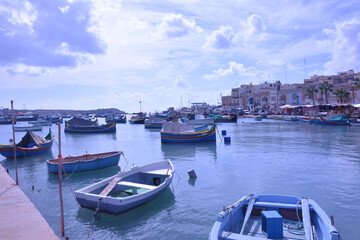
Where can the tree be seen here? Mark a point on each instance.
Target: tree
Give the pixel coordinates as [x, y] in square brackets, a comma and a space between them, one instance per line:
[310, 90]
[324, 88]
[356, 86]
[341, 94]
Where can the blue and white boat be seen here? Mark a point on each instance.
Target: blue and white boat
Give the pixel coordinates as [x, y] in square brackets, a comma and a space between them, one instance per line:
[85, 162]
[127, 190]
[173, 132]
[154, 122]
[274, 217]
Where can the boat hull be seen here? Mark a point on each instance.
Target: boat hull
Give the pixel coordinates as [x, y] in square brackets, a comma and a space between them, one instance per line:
[201, 136]
[90, 197]
[153, 125]
[110, 127]
[232, 222]
[85, 163]
[8, 151]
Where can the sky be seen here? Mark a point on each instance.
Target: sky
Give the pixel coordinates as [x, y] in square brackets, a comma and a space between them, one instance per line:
[74, 54]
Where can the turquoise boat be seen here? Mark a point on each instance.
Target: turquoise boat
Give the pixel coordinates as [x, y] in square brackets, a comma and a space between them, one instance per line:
[173, 132]
[274, 217]
[85, 162]
[224, 118]
[79, 125]
[31, 144]
[338, 119]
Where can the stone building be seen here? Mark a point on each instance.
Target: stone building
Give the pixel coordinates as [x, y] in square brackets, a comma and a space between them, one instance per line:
[273, 95]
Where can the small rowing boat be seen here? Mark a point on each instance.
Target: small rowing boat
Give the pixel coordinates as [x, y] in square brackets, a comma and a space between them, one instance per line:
[274, 217]
[127, 190]
[85, 162]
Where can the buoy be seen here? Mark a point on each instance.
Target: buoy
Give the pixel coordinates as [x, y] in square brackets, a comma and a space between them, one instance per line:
[11, 140]
[192, 173]
[223, 132]
[227, 139]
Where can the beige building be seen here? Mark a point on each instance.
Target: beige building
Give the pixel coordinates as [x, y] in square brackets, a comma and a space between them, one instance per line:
[273, 95]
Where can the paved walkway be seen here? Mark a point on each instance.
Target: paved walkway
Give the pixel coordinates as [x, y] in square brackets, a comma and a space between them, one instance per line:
[19, 218]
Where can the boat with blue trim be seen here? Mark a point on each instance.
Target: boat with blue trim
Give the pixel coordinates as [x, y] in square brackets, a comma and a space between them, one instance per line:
[85, 162]
[274, 217]
[127, 190]
[173, 132]
[30, 144]
[79, 125]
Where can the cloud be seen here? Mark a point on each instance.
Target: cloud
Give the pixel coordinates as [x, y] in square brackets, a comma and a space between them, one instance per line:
[343, 44]
[253, 28]
[26, 70]
[176, 26]
[238, 69]
[220, 39]
[181, 82]
[34, 34]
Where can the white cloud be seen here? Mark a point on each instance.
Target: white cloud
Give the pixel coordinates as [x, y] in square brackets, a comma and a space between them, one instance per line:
[220, 39]
[26, 70]
[64, 9]
[238, 69]
[254, 28]
[175, 26]
[181, 82]
[343, 45]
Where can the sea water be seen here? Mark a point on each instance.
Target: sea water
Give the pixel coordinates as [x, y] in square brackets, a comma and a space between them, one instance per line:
[267, 157]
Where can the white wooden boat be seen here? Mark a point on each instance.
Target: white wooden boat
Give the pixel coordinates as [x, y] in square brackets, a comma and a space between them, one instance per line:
[355, 124]
[27, 128]
[127, 190]
[274, 217]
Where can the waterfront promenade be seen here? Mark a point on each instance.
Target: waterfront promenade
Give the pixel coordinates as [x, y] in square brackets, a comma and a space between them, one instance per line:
[19, 217]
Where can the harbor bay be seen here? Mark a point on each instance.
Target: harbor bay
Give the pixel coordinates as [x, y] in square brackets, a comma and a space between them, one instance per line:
[267, 157]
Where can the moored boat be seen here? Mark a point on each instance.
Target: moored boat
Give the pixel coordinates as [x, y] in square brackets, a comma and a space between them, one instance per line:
[79, 125]
[224, 118]
[85, 162]
[338, 119]
[173, 132]
[30, 144]
[139, 118]
[127, 190]
[154, 122]
[273, 217]
[118, 119]
[4, 121]
[27, 128]
[26, 117]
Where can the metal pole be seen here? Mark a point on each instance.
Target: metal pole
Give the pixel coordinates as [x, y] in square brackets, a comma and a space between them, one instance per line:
[14, 144]
[140, 106]
[60, 183]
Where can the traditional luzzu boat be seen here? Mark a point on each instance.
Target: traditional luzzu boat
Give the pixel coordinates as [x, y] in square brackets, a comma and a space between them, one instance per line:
[27, 118]
[173, 132]
[79, 125]
[274, 217]
[29, 127]
[224, 118]
[154, 122]
[139, 118]
[127, 190]
[118, 119]
[30, 144]
[338, 119]
[4, 121]
[85, 162]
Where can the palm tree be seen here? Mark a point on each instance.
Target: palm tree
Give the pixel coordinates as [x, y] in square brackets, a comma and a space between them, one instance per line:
[324, 88]
[341, 94]
[310, 90]
[356, 86]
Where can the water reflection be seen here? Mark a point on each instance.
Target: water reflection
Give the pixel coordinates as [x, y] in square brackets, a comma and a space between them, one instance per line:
[188, 151]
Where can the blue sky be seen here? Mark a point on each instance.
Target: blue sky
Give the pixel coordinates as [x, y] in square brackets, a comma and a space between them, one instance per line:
[71, 54]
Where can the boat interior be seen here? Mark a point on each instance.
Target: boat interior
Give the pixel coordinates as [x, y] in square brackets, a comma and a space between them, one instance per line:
[267, 221]
[134, 184]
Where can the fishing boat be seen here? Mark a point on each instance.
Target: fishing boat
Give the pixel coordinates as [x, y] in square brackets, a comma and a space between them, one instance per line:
[79, 125]
[41, 122]
[30, 144]
[139, 118]
[118, 119]
[338, 119]
[224, 118]
[55, 119]
[27, 117]
[258, 119]
[173, 132]
[127, 190]
[29, 127]
[85, 162]
[355, 124]
[4, 121]
[201, 120]
[154, 122]
[274, 217]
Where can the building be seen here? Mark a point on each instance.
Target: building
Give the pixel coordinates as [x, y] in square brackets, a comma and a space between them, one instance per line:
[273, 95]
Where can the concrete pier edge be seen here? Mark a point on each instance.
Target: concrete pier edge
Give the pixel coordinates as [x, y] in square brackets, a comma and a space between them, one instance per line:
[19, 217]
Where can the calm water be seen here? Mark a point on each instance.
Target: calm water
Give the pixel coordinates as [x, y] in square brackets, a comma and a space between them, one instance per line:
[268, 157]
